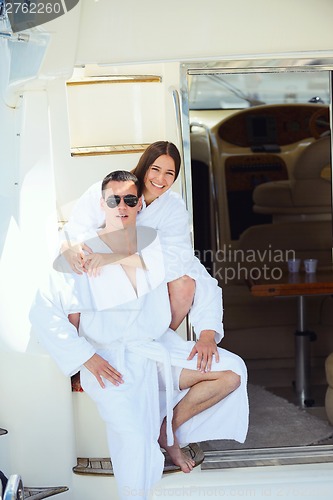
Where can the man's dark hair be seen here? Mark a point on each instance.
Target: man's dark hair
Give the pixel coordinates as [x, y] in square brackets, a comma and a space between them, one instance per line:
[121, 176]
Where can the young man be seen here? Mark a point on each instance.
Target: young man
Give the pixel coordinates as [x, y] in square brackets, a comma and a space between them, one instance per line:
[143, 377]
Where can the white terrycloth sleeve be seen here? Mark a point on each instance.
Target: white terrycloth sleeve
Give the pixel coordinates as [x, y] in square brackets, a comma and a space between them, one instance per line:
[207, 309]
[49, 320]
[85, 217]
[174, 232]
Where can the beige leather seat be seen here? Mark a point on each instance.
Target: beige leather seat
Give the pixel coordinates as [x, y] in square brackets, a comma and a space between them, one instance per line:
[309, 192]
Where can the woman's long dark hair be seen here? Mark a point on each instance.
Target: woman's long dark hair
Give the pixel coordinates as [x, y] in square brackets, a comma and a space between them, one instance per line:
[153, 151]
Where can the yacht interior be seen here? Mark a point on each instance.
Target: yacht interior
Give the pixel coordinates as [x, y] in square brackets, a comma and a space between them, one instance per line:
[262, 195]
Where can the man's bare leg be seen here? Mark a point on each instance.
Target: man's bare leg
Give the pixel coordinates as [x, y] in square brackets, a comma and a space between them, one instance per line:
[206, 389]
[74, 318]
[176, 454]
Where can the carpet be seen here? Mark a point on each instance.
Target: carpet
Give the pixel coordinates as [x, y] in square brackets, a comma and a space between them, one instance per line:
[274, 422]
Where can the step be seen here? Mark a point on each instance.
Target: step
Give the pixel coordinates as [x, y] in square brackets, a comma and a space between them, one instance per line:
[40, 493]
[103, 466]
[13, 489]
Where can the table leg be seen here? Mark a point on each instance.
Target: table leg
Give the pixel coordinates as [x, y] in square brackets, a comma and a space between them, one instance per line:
[303, 338]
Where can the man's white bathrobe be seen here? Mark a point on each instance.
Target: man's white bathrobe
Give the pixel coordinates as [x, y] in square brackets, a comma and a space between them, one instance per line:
[168, 215]
[131, 331]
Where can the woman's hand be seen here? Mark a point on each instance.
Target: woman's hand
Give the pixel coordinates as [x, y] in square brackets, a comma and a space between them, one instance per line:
[74, 254]
[205, 348]
[99, 367]
[93, 262]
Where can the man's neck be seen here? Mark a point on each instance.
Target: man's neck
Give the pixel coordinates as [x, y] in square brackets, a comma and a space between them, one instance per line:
[122, 241]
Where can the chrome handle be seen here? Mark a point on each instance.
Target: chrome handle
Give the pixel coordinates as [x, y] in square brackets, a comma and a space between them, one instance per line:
[14, 489]
[185, 154]
[217, 242]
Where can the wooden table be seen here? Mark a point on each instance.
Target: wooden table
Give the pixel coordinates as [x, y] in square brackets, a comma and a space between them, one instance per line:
[299, 285]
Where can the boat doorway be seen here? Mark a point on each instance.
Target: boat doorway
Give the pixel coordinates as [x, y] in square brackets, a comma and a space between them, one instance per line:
[258, 168]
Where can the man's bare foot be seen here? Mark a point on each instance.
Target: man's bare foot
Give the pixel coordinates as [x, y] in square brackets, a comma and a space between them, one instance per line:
[176, 454]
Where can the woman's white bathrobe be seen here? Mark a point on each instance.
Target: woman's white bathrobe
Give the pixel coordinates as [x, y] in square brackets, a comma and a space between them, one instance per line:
[132, 333]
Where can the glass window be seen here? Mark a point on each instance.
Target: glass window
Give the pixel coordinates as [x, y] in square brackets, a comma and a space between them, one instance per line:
[236, 91]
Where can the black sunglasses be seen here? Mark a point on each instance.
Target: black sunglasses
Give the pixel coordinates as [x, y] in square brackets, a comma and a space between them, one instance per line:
[130, 199]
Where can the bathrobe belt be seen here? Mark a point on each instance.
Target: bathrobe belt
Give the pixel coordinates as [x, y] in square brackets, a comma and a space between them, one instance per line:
[151, 349]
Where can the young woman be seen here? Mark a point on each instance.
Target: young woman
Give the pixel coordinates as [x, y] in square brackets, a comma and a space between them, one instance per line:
[165, 211]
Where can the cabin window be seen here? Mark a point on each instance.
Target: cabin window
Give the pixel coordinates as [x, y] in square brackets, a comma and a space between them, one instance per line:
[237, 91]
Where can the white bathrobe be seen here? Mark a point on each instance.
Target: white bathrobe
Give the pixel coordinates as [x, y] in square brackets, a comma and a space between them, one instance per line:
[168, 215]
[133, 335]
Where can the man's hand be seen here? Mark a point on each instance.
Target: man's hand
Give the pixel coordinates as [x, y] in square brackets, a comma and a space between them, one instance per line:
[101, 368]
[74, 254]
[205, 348]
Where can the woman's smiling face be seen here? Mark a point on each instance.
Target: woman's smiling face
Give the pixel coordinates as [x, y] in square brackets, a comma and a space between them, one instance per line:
[159, 178]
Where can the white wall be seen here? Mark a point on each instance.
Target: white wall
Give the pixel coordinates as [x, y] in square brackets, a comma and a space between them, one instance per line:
[79, 125]
[113, 31]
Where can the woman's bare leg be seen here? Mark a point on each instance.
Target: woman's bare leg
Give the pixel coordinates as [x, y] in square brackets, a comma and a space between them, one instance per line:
[181, 294]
